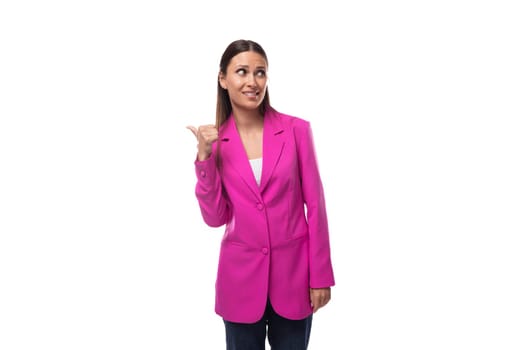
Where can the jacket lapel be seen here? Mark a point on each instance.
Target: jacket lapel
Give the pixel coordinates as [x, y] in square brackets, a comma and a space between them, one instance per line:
[273, 143]
[232, 151]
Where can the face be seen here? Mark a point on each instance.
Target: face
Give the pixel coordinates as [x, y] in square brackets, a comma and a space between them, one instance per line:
[245, 80]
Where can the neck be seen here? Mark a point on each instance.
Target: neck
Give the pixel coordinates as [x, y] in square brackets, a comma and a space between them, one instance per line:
[248, 120]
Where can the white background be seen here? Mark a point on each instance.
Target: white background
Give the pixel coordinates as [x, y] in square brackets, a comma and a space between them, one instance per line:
[417, 109]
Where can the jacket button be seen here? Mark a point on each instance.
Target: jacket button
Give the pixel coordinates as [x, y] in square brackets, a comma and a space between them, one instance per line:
[264, 250]
[260, 206]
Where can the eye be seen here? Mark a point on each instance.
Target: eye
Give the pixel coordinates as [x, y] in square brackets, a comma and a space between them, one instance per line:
[241, 71]
[261, 73]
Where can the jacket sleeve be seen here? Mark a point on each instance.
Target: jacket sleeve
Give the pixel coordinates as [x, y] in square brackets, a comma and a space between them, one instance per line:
[320, 265]
[213, 204]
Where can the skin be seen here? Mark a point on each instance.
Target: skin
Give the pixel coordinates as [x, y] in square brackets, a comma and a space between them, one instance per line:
[246, 81]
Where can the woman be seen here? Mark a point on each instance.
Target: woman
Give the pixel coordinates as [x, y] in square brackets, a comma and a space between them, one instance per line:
[256, 170]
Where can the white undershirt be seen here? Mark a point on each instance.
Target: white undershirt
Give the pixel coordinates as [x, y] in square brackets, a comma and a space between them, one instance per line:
[257, 169]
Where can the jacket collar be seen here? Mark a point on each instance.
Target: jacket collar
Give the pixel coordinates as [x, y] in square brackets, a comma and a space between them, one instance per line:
[232, 150]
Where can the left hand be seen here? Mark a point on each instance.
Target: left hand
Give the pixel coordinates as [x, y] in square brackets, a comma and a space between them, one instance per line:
[319, 297]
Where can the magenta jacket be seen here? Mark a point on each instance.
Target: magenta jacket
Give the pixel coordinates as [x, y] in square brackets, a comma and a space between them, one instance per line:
[272, 247]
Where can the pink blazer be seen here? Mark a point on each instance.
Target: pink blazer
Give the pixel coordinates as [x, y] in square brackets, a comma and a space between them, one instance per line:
[273, 247]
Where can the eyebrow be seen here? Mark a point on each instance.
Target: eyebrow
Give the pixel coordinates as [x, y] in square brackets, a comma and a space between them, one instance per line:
[246, 66]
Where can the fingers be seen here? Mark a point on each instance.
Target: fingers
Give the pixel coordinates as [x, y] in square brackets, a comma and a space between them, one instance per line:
[318, 301]
[319, 297]
[192, 129]
[203, 129]
[206, 135]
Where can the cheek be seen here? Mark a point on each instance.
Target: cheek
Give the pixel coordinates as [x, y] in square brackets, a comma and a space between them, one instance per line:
[234, 82]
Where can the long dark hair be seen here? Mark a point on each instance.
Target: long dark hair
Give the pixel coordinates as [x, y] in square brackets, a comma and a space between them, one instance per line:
[224, 106]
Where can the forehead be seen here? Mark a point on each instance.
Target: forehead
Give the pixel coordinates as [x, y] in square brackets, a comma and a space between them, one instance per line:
[248, 58]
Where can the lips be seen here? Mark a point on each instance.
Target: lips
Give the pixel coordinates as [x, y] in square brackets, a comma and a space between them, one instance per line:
[251, 94]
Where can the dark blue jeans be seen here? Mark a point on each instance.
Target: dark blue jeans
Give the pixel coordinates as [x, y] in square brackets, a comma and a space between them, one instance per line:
[283, 334]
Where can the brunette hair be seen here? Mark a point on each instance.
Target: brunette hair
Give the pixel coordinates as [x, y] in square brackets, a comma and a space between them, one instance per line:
[224, 106]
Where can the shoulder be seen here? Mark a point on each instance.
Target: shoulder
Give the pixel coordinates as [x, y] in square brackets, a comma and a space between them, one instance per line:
[291, 121]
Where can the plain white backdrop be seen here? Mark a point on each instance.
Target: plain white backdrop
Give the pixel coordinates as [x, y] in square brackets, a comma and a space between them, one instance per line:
[417, 109]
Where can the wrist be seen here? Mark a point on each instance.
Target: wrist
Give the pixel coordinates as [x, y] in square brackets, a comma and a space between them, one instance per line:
[201, 156]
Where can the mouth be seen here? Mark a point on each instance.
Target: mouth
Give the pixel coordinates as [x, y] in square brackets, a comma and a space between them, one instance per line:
[251, 94]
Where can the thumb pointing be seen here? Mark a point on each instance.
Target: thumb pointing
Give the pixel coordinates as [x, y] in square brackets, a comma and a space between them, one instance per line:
[192, 129]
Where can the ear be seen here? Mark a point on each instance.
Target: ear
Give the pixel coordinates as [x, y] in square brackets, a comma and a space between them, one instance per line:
[222, 81]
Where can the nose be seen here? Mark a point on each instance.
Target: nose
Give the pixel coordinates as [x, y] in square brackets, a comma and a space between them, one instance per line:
[252, 81]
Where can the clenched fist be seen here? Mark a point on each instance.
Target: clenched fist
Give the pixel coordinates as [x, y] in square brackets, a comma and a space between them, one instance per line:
[319, 297]
[206, 135]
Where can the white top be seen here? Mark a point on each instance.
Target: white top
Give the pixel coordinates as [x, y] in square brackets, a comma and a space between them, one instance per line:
[257, 169]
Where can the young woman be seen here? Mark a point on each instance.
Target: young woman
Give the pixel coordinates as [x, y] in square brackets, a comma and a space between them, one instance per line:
[256, 171]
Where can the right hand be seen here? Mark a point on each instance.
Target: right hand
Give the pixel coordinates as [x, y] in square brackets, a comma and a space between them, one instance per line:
[206, 135]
